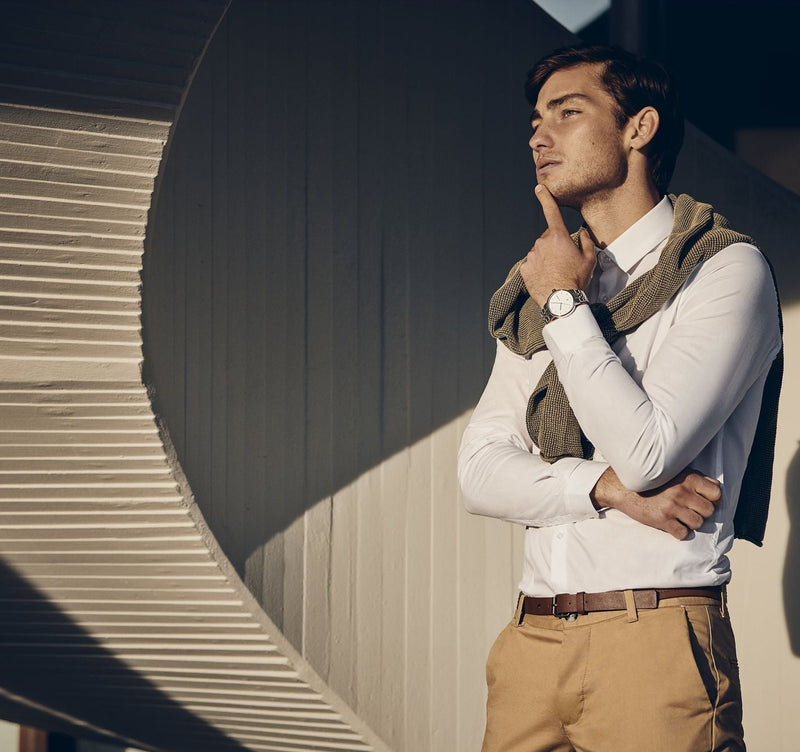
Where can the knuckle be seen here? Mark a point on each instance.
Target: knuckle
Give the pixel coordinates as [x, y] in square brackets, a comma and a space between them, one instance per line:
[678, 531]
[665, 519]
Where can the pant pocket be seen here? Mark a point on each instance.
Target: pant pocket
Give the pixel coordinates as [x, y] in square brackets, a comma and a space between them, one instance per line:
[701, 642]
[494, 655]
[712, 635]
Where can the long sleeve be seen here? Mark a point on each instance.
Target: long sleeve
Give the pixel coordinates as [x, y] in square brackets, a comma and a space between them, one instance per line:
[721, 337]
[500, 472]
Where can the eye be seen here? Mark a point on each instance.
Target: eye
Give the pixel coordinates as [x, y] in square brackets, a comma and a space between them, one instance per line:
[569, 113]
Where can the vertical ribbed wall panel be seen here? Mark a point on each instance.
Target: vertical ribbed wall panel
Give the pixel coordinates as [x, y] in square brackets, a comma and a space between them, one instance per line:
[347, 182]
[119, 614]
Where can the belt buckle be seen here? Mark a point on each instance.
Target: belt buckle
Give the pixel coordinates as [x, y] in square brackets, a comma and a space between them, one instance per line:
[566, 615]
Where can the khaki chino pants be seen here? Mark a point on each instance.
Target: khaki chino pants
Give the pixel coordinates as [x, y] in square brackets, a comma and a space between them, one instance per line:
[656, 680]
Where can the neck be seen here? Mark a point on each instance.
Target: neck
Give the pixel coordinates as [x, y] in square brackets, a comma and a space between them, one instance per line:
[608, 216]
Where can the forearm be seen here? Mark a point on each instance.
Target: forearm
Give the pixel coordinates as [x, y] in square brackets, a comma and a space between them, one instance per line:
[680, 506]
[500, 479]
[499, 471]
[720, 341]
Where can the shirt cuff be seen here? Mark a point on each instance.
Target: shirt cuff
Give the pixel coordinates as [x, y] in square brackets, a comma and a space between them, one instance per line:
[570, 333]
[579, 478]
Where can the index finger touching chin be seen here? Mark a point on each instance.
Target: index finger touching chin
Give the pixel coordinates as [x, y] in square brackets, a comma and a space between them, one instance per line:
[552, 214]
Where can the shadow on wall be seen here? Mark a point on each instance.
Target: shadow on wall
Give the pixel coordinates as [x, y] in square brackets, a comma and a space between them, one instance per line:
[791, 568]
[347, 184]
[51, 661]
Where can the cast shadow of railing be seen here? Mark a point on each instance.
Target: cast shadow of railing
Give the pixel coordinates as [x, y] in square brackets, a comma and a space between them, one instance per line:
[64, 679]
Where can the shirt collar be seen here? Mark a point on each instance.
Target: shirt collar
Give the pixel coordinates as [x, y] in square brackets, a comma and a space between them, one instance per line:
[642, 236]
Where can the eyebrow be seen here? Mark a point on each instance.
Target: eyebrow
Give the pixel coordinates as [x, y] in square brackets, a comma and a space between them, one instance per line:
[557, 102]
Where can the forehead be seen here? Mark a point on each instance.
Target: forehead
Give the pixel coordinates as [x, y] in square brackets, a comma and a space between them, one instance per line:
[581, 79]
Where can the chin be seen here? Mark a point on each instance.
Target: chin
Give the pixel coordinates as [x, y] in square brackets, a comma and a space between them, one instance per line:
[565, 197]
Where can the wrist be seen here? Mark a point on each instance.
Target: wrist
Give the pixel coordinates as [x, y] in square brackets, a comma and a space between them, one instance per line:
[606, 491]
[562, 302]
[540, 293]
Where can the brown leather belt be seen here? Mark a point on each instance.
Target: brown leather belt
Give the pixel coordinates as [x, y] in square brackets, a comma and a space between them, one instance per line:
[614, 600]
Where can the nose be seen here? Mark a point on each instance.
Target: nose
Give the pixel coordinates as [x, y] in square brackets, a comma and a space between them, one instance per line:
[540, 138]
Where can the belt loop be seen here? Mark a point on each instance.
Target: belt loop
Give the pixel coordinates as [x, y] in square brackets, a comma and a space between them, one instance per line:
[723, 601]
[630, 604]
[519, 614]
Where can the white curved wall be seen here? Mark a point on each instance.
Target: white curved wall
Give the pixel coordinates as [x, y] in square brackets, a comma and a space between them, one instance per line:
[347, 183]
[370, 195]
[394, 203]
[121, 618]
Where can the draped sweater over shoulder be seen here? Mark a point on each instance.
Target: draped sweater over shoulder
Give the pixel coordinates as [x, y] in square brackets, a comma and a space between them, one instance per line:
[514, 318]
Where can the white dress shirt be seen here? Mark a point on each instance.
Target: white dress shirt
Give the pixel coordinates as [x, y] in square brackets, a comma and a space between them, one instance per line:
[683, 389]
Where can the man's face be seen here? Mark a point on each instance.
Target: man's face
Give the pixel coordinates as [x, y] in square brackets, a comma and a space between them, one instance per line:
[576, 143]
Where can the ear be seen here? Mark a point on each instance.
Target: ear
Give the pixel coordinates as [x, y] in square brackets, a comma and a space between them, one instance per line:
[642, 127]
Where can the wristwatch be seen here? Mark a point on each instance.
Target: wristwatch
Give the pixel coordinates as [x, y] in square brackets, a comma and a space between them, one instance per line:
[562, 303]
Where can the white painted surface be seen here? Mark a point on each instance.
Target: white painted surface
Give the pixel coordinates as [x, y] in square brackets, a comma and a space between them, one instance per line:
[83, 745]
[375, 573]
[765, 590]
[305, 270]
[9, 736]
[120, 614]
[315, 287]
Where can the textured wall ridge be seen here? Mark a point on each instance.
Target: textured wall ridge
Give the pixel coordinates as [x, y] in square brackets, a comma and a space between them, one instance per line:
[119, 614]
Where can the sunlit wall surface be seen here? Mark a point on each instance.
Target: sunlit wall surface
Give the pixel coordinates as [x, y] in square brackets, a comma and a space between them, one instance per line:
[347, 183]
[349, 186]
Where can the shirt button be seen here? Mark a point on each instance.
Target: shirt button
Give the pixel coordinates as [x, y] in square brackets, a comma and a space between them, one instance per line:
[604, 298]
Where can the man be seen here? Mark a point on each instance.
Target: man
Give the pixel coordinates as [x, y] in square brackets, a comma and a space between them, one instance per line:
[616, 426]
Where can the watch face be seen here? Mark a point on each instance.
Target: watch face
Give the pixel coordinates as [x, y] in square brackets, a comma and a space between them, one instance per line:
[560, 302]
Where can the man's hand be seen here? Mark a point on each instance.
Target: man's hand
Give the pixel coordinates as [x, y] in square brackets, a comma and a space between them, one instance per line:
[555, 262]
[677, 507]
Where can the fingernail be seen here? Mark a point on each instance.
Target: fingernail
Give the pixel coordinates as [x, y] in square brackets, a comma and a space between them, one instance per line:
[538, 189]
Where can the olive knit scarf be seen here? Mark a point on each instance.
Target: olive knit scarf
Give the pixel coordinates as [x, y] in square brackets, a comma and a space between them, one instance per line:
[697, 234]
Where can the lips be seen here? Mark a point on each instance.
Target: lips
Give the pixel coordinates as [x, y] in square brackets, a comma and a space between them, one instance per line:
[544, 163]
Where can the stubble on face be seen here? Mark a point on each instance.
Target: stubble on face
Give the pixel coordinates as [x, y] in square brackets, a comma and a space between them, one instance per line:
[587, 147]
[587, 182]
